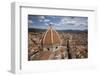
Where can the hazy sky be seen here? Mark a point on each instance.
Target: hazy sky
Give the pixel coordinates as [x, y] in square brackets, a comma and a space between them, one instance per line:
[58, 22]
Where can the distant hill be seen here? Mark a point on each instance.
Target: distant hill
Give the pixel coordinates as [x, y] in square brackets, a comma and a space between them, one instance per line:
[43, 30]
[36, 30]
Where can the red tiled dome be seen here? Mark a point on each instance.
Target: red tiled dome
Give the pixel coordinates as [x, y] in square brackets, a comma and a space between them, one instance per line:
[51, 37]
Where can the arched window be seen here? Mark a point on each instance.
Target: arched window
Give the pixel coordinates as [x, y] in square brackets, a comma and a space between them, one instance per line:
[48, 48]
[56, 47]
